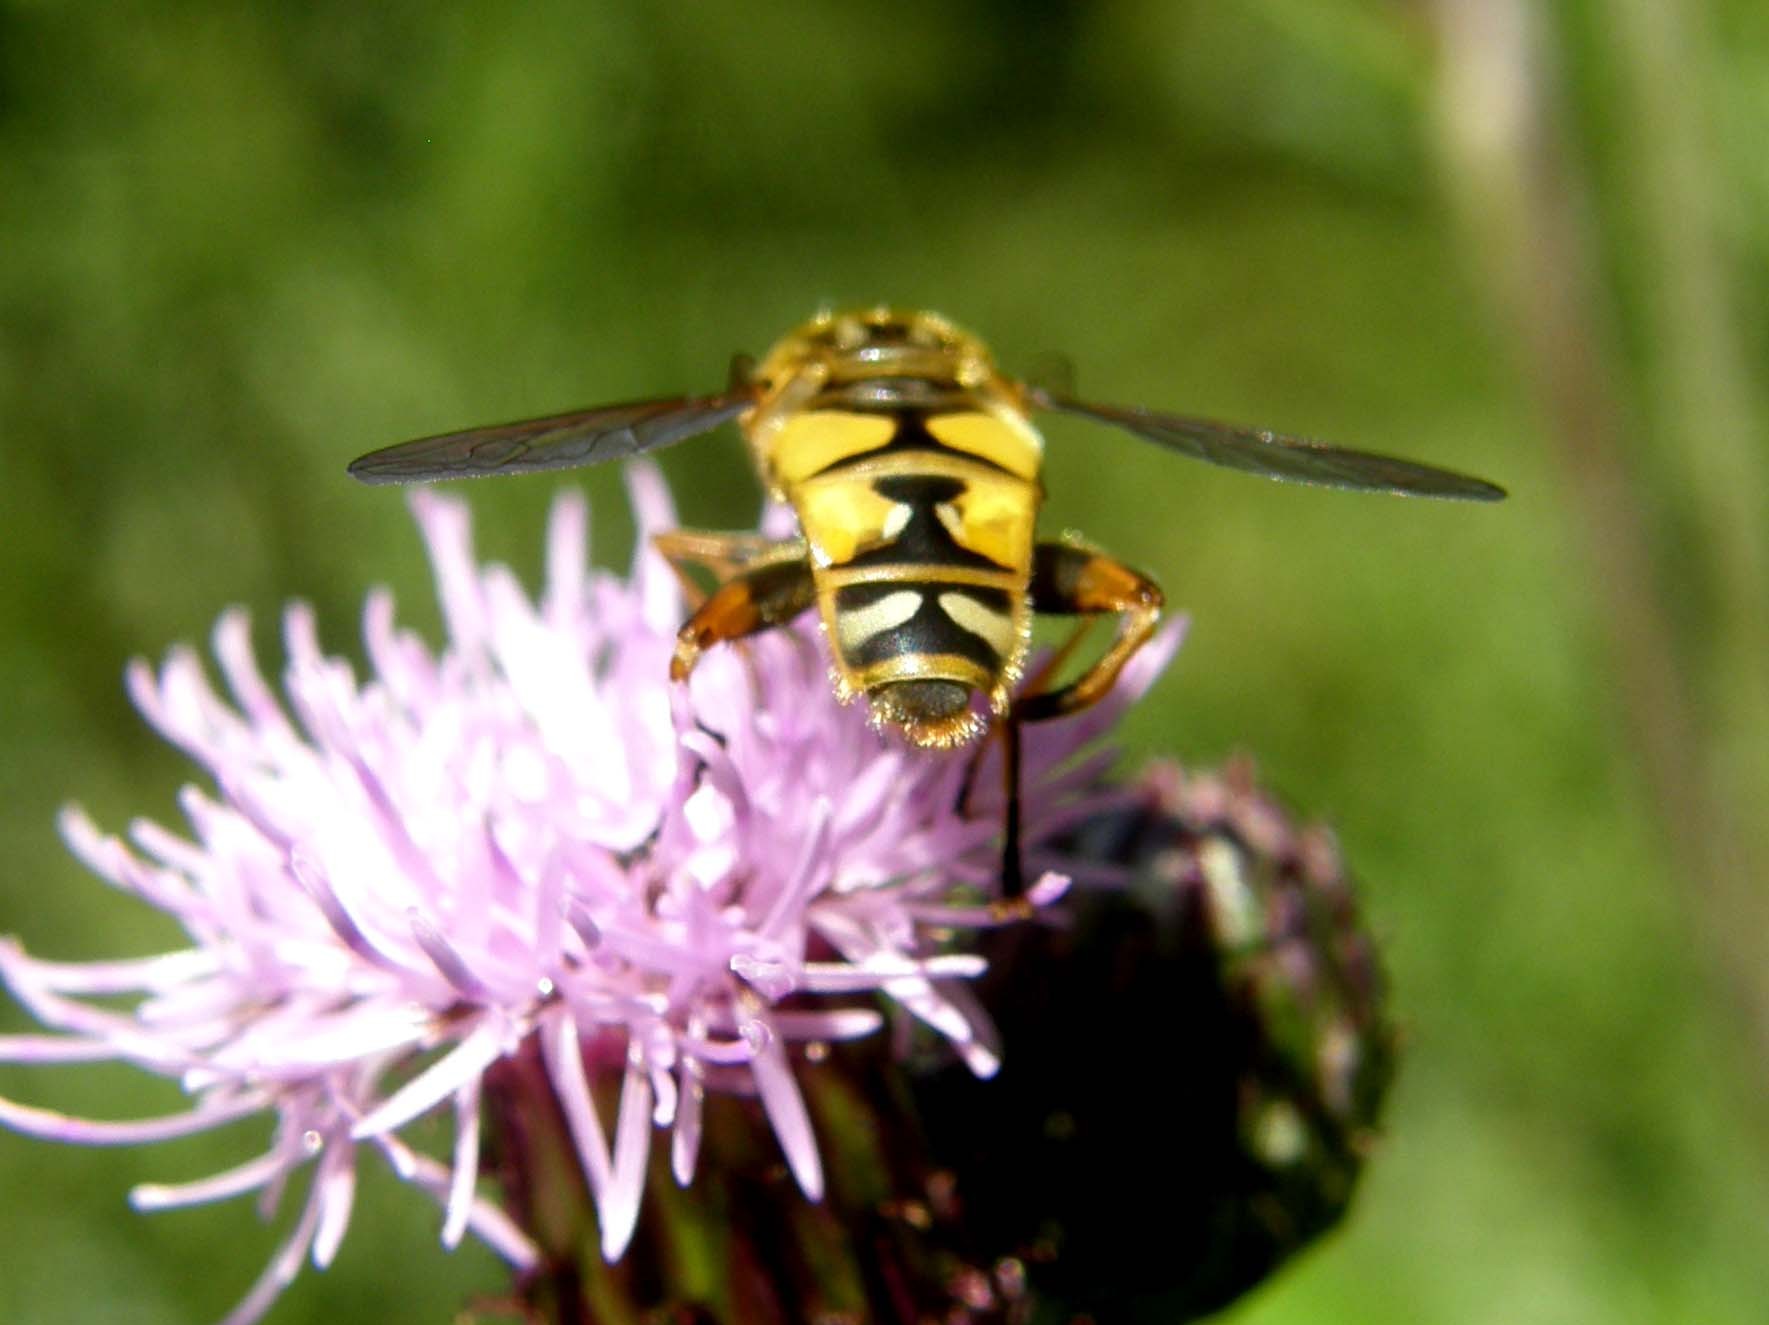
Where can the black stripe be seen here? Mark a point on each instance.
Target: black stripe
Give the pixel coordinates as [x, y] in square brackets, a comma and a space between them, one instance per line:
[929, 631]
[923, 541]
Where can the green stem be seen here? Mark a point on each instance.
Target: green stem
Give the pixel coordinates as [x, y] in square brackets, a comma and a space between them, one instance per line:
[1703, 749]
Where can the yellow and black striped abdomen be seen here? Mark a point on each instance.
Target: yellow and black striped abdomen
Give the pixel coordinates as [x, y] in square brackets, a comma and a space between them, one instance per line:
[920, 534]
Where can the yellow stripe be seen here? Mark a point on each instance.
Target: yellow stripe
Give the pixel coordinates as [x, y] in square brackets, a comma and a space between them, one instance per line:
[837, 577]
[817, 439]
[925, 667]
[1003, 439]
[994, 628]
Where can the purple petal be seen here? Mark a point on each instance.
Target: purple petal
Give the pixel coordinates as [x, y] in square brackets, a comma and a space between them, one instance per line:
[128, 976]
[723, 1053]
[317, 1043]
[568, 540]
[809, 876]
[282, 1268]
[879, 971]
[685, 1141]
[54, 1049]
[237, 1181]
[495, 1228]
[834, 1024]
[785, 1108]
[459, 1210]
[55, 1126]
[446, 960]
[126, 1038]
[317, 885]
[107, 857]
[171, 850]
[448, 536]
[563, 1053]
[483, 1046]
[232, 645]
[618, 1209]
[335, 1191]
[659, 598]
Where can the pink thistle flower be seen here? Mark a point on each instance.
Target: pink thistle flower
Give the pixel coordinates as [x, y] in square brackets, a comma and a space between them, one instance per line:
[531, 835]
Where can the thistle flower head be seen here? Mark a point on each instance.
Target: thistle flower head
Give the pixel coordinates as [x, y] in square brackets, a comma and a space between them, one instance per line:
[529, 838]
[1234, 968]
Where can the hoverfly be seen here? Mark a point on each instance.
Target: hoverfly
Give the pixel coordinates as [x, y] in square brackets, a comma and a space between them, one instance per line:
[913, 468]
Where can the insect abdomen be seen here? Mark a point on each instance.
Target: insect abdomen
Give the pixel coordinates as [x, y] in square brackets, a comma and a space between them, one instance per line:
[920, 545]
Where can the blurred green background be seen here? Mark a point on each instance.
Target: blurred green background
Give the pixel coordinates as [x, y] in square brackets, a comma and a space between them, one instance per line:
[241, 244]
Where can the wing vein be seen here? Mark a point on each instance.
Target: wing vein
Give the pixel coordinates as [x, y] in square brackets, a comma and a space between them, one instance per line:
[558, 441]
[1274, 455]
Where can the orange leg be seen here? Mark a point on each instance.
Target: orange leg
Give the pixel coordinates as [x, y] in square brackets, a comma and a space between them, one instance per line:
[1070, 581]
[722, 554]
[769, 584]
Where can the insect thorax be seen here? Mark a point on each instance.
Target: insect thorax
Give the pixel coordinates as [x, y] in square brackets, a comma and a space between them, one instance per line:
[914, 474]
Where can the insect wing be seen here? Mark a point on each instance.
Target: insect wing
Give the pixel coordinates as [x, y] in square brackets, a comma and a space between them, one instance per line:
[1273, 455]
[561, 441]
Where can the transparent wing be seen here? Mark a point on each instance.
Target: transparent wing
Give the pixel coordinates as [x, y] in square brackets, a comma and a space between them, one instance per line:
[561, 441]
[1273, 455]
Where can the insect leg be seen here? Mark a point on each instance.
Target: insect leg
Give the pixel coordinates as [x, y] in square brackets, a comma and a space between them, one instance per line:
[770, 591]
[1012, 904]
[722, 554]
[1068, 580]
[1071, 580]
[1032, 685]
